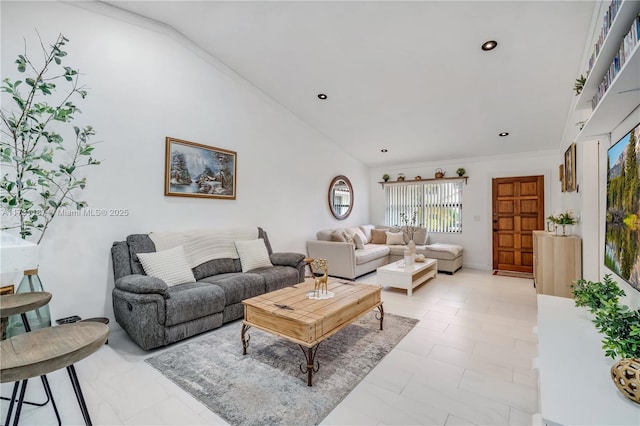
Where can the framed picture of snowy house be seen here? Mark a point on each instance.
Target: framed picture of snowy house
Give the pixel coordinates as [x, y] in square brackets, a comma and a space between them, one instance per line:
[196, 170]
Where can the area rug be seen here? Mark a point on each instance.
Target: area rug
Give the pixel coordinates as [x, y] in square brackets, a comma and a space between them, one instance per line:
[515, 274]
[266, 387]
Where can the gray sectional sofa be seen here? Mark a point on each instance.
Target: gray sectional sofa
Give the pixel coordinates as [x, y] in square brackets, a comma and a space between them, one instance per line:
[155, 314]
[347, 261]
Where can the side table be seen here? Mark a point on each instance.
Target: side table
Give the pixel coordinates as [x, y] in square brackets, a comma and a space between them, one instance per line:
[20, 304]
[49, 349]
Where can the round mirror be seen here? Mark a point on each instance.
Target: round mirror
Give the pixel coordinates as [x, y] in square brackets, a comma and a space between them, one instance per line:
[340, 197]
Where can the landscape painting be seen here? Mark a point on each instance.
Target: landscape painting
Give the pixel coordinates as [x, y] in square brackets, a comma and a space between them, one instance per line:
[622, 236]
[195, 170]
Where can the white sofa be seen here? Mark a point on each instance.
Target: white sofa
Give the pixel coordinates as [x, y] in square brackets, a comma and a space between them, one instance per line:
[347, 261]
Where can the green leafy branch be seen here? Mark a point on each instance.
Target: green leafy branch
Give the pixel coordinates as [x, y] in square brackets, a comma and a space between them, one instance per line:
[619, 324]
[42, 175]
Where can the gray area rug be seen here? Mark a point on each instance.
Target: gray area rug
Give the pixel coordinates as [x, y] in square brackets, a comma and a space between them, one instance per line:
[266, 387]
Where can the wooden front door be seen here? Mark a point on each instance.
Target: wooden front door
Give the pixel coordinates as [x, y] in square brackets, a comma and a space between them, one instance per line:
[518, 209]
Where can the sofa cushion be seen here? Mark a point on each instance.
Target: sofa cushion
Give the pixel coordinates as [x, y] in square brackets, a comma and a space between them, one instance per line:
[358, 241]
[215, 267]
[169, 265]
[278, 277]
[419, 237]
[187, 302]
[253, 254]
[324, 234]
[366, 230]
[338, 237]
[238, 286]
[369, 253]
[442, 251]
[395, 238]
[397, 250]
[378, 236]
[348, 236]
[357, 231]
[139, 243]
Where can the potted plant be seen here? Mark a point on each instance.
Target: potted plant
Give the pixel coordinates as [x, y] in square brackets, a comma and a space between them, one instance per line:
[593, 295]
[41, 152]
[385, 177]
[40, 167]
[579, 85]
[564, 219]
[461, 171]
[620, 327]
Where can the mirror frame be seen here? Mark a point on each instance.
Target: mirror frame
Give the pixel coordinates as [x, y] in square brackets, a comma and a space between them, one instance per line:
[331, 185]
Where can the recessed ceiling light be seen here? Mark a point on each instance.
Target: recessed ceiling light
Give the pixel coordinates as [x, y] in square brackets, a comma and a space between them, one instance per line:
[489, 45]
[322, 96]
[384, 150]
[503, 134]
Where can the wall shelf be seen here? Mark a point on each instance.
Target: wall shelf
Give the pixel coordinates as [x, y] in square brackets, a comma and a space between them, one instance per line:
[406, 181]
[619, 28]
[622, 97]
[623, 94]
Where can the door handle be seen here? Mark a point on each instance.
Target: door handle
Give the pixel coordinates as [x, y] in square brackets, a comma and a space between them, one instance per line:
[495, 230]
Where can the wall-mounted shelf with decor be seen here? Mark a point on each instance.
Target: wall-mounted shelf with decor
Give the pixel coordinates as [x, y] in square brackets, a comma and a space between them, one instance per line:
[623, 94]
[393, 182]
[619, 27]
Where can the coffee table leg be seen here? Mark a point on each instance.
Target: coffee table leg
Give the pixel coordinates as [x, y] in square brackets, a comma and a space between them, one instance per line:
[312, 365]
[381, 309]
[245, 338]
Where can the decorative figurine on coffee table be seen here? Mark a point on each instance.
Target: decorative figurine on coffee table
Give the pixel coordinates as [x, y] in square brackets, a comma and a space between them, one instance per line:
[320, 289]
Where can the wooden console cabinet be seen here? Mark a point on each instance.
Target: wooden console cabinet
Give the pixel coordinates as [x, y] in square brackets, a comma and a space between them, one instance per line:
[557, 263]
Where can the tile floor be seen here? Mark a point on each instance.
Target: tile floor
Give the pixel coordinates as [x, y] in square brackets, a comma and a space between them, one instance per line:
[468, 361]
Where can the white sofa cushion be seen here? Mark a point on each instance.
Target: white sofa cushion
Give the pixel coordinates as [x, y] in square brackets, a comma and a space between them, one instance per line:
[366, 230]
[170, 266]
[357, 240]
[395, 238]
[370, 252]
[253, 254]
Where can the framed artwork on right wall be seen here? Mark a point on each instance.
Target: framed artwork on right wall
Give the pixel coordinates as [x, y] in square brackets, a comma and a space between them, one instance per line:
[570, 168]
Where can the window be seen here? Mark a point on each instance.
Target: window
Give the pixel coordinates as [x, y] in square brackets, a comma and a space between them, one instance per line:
[438, 205]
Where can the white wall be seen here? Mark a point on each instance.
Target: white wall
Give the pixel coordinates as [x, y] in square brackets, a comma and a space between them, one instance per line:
[476, 236]
[147, 83]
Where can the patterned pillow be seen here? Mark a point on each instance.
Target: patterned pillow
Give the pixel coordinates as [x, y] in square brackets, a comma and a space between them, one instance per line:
[348, 237]
[169, 265]
[378, 236]
[358, 231]
[253, 254]
[395, 238]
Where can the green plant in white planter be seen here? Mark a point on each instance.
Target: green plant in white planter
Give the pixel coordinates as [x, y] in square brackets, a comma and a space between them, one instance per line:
[40, 168]
[619, 324]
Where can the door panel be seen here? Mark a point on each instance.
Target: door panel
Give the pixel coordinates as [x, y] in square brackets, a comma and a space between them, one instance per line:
[518, 209]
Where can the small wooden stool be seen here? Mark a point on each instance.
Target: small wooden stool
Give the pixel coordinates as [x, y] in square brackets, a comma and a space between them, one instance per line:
[20, 304]
[49, 349]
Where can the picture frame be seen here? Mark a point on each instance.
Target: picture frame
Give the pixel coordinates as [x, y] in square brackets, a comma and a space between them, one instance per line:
[197, 170]
[570, 168]
[563, 186]
[8, 289]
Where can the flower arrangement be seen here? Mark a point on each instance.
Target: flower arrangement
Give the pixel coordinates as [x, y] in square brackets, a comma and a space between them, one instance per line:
[564, 218]
[409, 225]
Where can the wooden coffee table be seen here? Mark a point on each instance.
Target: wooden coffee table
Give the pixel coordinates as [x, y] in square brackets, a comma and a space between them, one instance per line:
[408, 277]
[290, 314]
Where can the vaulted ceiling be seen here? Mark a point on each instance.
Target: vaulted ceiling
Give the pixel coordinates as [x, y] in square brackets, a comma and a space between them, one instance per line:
[408, 77]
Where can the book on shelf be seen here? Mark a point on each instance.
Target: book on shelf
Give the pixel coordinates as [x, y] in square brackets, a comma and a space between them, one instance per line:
[609, 17]
[627, 47]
